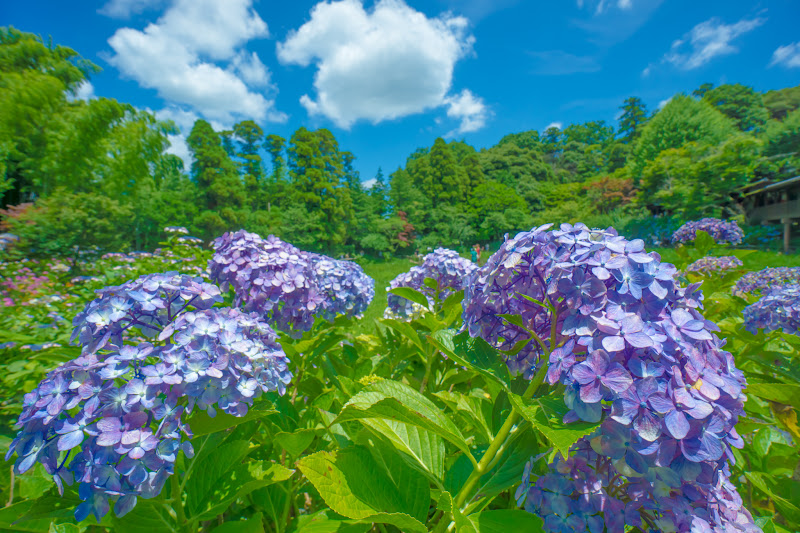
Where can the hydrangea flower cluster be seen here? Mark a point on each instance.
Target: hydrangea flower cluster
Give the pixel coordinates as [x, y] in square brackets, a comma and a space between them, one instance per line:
[177, 229]
[778, 309]
[286, 286]
[6, 240]
[707, 265]
[720, 230]
[633, 352]
[446, 267]
[346, 288]
[768, 278]
[113, 420]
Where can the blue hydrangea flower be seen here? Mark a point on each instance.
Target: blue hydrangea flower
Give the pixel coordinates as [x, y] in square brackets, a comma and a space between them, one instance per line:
[779, 309]
[722, 231]
[633, 352]
[446, 267]
[114, 419]
[709, 264]
[754, 283]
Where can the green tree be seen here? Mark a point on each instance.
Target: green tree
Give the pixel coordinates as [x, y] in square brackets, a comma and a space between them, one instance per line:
[633, 119]
[782, 102]
[741, 104]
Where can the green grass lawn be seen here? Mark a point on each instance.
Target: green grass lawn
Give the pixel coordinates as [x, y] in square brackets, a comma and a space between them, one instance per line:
[382, 273]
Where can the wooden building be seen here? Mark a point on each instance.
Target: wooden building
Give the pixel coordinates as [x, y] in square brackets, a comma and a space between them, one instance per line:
[773, 202]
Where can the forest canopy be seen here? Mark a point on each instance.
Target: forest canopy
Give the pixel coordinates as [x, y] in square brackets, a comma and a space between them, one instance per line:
[69, 164]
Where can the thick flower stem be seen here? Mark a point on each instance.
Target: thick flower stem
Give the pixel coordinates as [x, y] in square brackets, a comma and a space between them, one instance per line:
[177, 501]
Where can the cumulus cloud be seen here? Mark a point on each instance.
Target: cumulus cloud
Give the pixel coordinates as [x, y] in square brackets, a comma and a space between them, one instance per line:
[706, 41]
[381, 64]
[178, 55]
[468, 109]
[84, 91]
[788, 56]
[664, 102]
[122, 9]
[184, 119]
[556, 125]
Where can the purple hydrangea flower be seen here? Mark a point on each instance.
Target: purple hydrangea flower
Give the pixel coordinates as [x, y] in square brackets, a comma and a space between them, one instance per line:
[754, 283]
[721, 231]
[287, 287]
[709, 264]
[633, 352]
[113, 419]
[778, 309]
[446, 267]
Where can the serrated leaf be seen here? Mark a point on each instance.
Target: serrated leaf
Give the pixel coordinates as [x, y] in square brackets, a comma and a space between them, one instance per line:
[320, 523]
[202, 424]
[546, 414]
[148, 516]
[453, 301]
[473, 353]
[787, 508]
[253, 524]
[353, 484]
[392, 400]
[424, 449]
[405, 330]
[410, 294]
[505, 521]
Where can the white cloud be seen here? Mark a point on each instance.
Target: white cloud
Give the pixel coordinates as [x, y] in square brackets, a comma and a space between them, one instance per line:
[467, 108]
[602, 5]
[176, 56]
[624, 4]
[788, 56]
[184, 119]
[370, 183]
[554, 125]
[123, 9]
[84, 91]
[706, 41]
[379, 65]
[662, 103]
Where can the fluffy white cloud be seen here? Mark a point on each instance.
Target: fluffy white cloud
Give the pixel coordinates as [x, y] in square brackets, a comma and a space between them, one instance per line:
[788, 56]
[184, 120]
[708, 40]
[557, 125]
[468, 109]
[174, 56]
[664, 102]
[370, 183]
[381, 64]
[84, 91]
[125, 8]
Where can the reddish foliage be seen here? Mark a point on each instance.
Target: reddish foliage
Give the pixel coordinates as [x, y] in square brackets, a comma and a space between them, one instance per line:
[13, 212]
[609, 193]
[405, 236]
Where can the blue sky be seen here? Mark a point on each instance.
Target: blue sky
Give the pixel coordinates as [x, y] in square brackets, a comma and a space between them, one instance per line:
[390, 76]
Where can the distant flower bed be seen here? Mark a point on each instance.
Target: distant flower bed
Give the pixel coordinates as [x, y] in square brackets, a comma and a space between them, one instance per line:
[709, 264]
[758, 282]
[777, 310]
[721, 231]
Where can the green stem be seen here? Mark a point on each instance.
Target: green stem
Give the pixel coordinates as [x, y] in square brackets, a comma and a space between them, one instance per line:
[177, 501]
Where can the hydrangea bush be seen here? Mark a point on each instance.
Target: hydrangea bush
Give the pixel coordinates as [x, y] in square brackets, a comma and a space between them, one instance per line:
[286, 286]
[722, 231]
[445, 267]
[579, 380]
[778, 309]
[153, 350]
[608, 322]
[754, 283]
[710, 264]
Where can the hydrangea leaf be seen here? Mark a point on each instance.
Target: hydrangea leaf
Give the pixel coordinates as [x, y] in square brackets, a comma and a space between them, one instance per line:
[546, 414]
[396, 401]
[339, 478]
[786, 507]
[410, 294]
[784, 393]
[295, 442]
[474, 353]
[202, 424]
[320, 523]
[424, 449]
[445, 504]
[253, 524]
[148, 516]
[406, 330]
[505, 520]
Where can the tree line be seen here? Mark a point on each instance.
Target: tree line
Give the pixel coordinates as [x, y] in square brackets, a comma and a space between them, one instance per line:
[80, 173]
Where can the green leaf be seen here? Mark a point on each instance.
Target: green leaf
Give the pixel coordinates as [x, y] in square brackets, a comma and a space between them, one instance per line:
[453, 301]
[353, 484]
[473, 353]
[410, 294]
[251, 525]
[202, 424]
[396, 401]
[506, 521]
[703, 243]
[777, 392]
[295, 442]
[424, 449]
[320, 523]
[64, 528]
[148, 516]
[406, 330]
[787, 508]
[547, 414]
